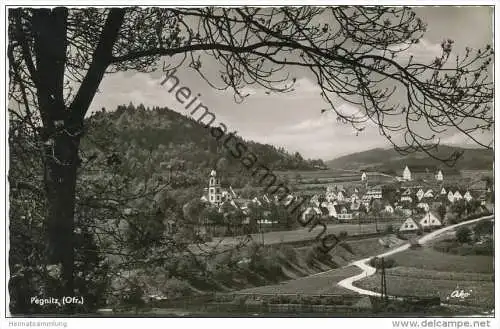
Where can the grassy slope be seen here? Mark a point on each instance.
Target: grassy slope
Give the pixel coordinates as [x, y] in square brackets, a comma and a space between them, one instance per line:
[326, 283]
[424, 271]
[323, 283]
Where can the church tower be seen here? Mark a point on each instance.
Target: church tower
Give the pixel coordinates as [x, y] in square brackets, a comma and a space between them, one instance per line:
[214, 191]
[407, 174]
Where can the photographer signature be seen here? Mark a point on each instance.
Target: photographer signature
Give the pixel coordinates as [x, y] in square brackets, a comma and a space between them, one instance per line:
[459, 294]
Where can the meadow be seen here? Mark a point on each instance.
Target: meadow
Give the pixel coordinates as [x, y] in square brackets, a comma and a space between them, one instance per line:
[425, 271]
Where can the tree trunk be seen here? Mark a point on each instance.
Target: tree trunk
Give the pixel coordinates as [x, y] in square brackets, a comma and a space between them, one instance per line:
[60, 135]
[61, 163]
[63, 125]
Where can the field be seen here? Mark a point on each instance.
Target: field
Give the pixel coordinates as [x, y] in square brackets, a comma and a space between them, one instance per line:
[322, 283]
[430, 259]
[426, 271]
[318, 174]
[320, 179]
[304, 233]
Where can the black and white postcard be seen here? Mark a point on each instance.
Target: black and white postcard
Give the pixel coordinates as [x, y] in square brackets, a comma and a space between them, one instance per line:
[249, 160]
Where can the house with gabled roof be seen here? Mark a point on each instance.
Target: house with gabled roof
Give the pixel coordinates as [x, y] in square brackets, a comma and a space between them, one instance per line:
[315, 200]
[363, 176]
[343, 212]
[457, 196]
[332, 211]
[289, 199]
[429, 221]
[423, 205]
[443, 191]
[389, 209]
[483, 198]
[429, 193]
[354, 208]
[266, 199]
[311, 212]
[375, 192]
[406, 196]
[257, 201]
[419, 194]
[467, 196]
[409, 225]
[340, 195]
[451, 196]
[439, 176]
[331, 193]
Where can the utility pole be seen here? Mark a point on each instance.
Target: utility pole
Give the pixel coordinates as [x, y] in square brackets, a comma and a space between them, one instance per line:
[261, 233]
[383, 282]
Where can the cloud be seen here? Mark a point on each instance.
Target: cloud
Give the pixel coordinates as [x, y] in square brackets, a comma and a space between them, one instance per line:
[305, 85]
[461, 139]
[323, 136]
[302, 87]
[422, 52]
[122, 88]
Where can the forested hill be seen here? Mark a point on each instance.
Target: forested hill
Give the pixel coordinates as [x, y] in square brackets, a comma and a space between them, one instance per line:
[389, 160]
[167, 140]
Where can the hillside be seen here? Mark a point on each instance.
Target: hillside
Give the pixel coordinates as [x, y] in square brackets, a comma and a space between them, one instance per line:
[390, 161]
[169, 141]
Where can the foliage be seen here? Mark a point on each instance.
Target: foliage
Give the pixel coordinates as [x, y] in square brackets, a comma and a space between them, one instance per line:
[177, 288]
[459, 208]
[463, 234]
[264, 261]
[343, 235]
[485, 248]
[30, 275]
[484, 227]
[315, 254]
[377, 262]
[441, 210]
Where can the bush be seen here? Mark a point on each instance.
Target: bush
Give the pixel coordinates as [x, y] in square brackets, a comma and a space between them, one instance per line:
[316, 254]
[343, 235]
[447, 246]
[264, 261]
[463, 234]
[485, 249]
[288, 252]
[175, 288]
[377, 262]
[130, 294]
[484, 227]
[456, 248]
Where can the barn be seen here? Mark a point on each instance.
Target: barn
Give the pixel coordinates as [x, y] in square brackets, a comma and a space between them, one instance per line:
[409, 225]
[429, 221]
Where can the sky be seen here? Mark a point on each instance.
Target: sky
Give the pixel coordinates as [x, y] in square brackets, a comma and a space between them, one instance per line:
[294, 120]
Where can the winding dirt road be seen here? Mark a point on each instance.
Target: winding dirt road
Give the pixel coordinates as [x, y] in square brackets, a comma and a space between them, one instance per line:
[368, 270]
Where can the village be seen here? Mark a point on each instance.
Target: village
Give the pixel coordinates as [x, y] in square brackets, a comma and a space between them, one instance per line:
[411, 204]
